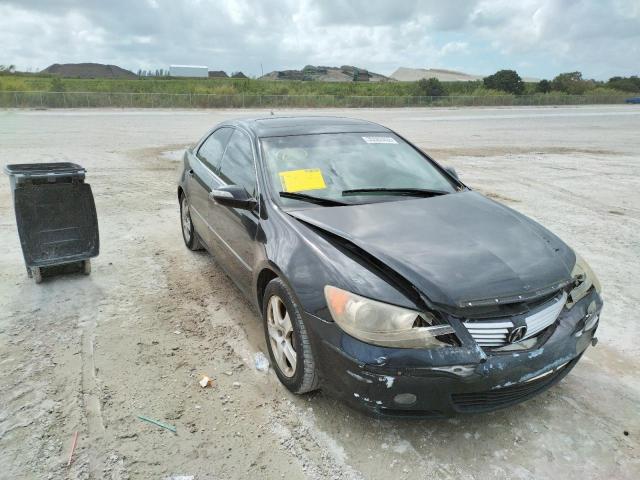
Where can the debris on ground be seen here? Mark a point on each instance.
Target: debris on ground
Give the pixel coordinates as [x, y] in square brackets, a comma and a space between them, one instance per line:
[261, 362]
[206, 382]
[158, 423]
[237, 384]
[73, 447]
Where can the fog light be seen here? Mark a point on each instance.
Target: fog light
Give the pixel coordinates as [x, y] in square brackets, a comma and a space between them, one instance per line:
[405, 399]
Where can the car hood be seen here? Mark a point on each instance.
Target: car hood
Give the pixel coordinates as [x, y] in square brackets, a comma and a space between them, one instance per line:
[458, 249]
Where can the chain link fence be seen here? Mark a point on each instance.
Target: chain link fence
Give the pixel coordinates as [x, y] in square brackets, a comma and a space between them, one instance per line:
[187, 100]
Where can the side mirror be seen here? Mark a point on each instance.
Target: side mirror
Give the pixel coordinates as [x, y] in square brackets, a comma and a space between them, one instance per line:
[233, 196]
[452, 171]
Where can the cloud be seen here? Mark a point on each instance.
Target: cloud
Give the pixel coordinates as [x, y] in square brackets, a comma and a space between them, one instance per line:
[436, 14]
[454, 47]
[600, 38]
[539, 37]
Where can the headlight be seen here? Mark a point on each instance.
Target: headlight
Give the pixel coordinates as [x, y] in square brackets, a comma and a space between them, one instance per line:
[584, 279]
[383, 324]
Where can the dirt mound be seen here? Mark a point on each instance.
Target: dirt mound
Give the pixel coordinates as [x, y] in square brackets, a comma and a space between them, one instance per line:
[345, 73]
[88, 70]
[403, 74]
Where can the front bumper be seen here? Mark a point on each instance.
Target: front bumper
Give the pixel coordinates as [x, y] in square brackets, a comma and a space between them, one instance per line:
[450, 380]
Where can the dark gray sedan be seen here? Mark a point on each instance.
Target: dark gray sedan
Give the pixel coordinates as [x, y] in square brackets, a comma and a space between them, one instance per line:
[379, 275]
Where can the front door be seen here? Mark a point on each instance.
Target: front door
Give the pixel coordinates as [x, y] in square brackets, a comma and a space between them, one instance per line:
[204, 167]
[236, 228]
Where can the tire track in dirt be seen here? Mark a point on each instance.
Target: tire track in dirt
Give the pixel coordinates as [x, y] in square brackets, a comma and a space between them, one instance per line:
[92, 410]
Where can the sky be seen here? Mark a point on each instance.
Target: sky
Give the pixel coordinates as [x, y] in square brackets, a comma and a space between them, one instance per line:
[537, 38]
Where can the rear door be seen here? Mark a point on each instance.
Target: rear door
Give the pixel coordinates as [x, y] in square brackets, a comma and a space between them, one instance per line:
[205, 166]
[236, 228]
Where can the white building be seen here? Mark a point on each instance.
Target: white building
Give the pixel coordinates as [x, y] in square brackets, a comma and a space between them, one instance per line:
[188, 71]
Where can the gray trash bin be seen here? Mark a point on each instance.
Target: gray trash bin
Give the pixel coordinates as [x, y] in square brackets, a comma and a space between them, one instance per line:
[55, 214]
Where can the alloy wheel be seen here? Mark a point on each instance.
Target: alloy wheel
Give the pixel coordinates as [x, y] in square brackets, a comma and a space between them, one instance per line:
[186, 219]
[281, 334]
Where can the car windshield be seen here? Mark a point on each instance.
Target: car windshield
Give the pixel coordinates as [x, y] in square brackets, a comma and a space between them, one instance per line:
[328, 168]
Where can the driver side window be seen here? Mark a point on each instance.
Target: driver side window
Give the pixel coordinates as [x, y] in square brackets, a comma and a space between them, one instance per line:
[237, 164]
[210, 152]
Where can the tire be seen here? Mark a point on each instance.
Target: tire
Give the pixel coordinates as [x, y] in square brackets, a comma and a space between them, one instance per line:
[303, 377]
[189, 234]
[86, 267]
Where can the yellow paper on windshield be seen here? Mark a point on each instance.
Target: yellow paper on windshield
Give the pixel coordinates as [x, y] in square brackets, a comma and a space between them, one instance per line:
[300, 180]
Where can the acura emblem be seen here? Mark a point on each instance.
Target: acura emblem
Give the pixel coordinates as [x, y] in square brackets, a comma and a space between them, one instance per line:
[517, 334]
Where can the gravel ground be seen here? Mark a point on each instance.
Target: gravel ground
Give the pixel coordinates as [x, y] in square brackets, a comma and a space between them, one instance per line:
[89, 354]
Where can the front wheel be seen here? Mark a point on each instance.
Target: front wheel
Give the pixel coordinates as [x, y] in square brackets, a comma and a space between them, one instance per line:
[188, 231]
[287, 339]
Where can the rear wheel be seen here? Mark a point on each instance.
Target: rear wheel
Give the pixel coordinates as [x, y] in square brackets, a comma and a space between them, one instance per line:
[287, 339]
[188, 231]
[86, 267]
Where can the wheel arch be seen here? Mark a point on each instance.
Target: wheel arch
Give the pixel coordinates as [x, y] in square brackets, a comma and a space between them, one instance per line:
[264, 277]
[267, 272]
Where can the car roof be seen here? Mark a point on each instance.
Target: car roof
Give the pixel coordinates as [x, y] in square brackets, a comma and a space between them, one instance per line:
[275, 126]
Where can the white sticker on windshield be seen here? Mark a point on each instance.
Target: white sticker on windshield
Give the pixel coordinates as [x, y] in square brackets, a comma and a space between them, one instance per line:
[379, 139]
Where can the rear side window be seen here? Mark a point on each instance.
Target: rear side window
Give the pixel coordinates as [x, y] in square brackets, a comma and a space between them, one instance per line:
[211, 150]
[237, 165]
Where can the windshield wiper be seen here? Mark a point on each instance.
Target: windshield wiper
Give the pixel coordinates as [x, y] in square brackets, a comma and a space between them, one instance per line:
[410, 192]
[327, 202]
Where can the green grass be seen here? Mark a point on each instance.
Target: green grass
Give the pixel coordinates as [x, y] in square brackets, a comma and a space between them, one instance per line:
[229, 86]
[44, 83]
[221, 86]
[204, 85]
[214, 93]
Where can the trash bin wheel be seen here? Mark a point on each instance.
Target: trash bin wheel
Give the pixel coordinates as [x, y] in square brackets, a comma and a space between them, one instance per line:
[36, 272]
[86, 267]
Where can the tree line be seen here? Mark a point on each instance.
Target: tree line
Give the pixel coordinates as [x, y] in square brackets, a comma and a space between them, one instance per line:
[508, 81]
[4, 69]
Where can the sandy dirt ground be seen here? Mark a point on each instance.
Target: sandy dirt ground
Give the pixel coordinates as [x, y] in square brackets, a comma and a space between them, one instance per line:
[90, 354]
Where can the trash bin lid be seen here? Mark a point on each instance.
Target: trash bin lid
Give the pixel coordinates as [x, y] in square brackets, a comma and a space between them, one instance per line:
[45, 169]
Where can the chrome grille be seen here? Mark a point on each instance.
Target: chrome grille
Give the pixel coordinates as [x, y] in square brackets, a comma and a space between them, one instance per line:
[494, 333]
[489, 333]
[545, 317]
